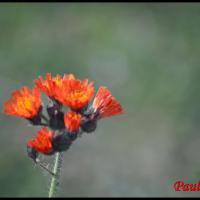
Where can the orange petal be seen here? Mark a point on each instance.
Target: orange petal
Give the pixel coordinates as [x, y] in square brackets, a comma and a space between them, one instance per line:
[106, 104]
[72, 121]
[42, 142]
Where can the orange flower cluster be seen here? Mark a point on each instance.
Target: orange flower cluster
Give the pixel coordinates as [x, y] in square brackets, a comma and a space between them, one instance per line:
[63, 127]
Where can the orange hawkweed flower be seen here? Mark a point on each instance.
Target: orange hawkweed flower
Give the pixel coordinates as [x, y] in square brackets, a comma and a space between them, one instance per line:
[23, 103]
[76, 93]
[72, 121]
[42, 142]
[51, 85]
[105, 104]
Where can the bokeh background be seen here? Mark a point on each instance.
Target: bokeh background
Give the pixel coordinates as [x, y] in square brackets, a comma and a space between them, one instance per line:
[148, 55]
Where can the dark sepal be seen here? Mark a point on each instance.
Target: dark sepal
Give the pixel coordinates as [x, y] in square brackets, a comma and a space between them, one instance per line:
[53, 108]
[56, 122]
[72, 136]
[36, 120]
[61, 142]
[50, 153]
[57, 103]
[32, 153]
[88, 125]
[81, 110]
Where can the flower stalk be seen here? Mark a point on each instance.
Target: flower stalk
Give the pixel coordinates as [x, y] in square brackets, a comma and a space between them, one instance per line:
[56, 171]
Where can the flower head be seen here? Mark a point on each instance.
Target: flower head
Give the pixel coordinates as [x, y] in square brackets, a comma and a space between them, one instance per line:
[105, 104]
[65, 127]
[23, 103]
[76, 93]
[72, 121]
[51, 85]
[42, 142]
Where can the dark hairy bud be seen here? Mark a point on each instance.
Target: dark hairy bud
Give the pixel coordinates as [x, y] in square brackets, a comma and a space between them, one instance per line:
[56, 122]
[72, 135]
[61, 142]
[88, 125]
[56, 116]
[53, 109]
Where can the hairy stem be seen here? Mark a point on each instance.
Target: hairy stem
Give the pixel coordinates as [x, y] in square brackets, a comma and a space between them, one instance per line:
[56, 171]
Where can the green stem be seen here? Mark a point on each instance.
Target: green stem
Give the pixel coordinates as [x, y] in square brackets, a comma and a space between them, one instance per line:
[44, 117]
[56, 171]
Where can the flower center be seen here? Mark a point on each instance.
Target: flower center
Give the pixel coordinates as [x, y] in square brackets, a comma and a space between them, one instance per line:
[24, 103]
[27, 103]
[73, 116]
[78, 95]
[58, 82]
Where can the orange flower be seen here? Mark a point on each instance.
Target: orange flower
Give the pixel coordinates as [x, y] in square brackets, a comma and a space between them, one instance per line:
[72, 121]
[105, 104]
[23, 103]
[50, 86]
[76, 93]
[42, 142]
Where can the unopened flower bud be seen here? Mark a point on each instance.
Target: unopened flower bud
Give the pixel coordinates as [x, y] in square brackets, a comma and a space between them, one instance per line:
[56, 122]
[52, 109]
[88, 125]
[61, 142]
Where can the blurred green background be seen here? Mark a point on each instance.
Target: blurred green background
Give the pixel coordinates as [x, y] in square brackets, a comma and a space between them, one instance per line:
[148, 55]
